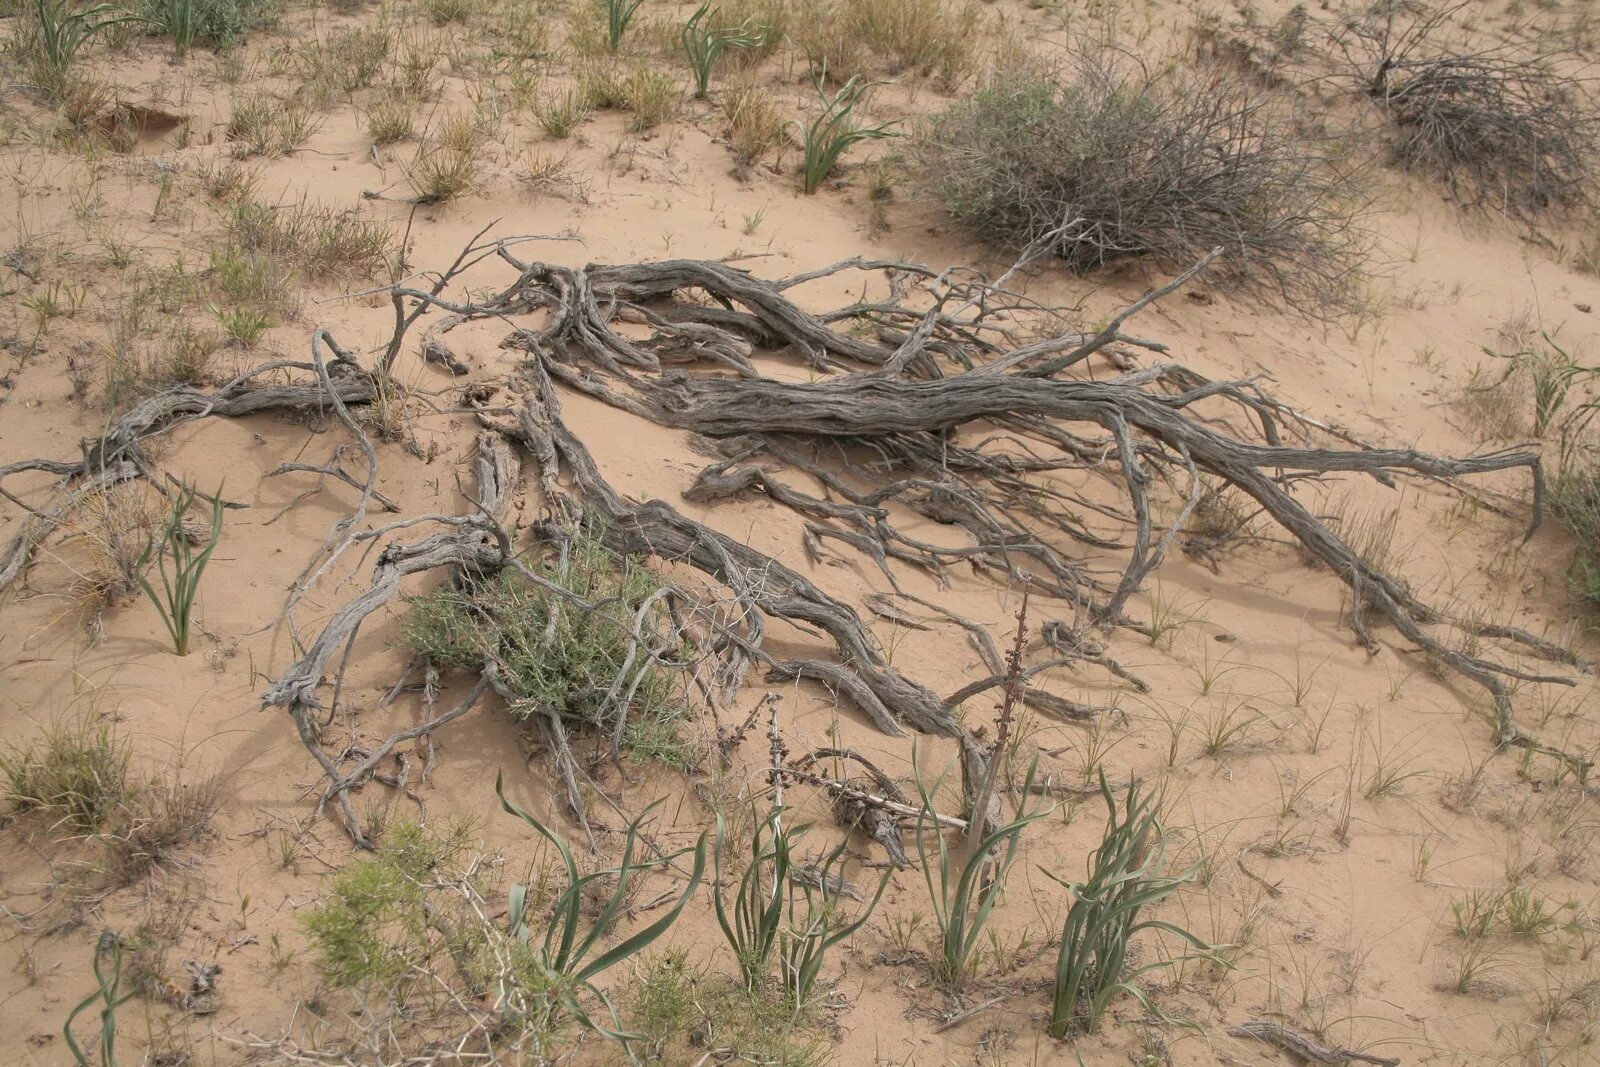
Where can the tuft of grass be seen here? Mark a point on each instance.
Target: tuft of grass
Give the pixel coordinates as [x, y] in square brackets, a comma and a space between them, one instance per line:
[75, 772]
[439, 173]
[390, 120]
[260, 125]
[1124, 878]
[755, 123]
[545, 172]
[318, 242]
[111, 528]
[652, 96]
[345, 61]
[160, 819]
[834, 132]
[559, 114]
[1477, 913]
[447, 12]
[1112, 160]
[927, 37]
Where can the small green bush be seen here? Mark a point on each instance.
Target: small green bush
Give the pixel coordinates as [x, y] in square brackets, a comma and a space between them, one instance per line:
[551, 655]
[381, 923]
[219, 23]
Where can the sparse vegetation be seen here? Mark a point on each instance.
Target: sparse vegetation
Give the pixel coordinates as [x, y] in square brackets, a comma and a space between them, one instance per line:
[263, 126]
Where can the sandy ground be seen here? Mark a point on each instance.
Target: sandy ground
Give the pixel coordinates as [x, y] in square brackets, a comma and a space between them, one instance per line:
[1346, 932]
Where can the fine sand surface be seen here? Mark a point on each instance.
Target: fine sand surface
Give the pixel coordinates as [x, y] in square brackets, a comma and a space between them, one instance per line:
[1331, 885]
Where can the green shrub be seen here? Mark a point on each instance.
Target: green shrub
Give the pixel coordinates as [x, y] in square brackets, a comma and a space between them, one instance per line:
[549, 655]
[381, 922]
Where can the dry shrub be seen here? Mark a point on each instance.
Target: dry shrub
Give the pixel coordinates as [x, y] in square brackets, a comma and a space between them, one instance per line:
[111, 529]
[1500, 125]
[1111, 160]
[159, 820]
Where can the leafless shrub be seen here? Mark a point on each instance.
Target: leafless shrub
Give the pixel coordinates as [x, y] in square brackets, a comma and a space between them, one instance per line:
[1111, 160]
[1501, 125]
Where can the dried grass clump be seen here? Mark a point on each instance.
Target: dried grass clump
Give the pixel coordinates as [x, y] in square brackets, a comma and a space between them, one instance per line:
[446, 164]
[926, 37]
[319, 242]
[755, 123]
[1502, 125]
[263, 126]
[1575, 499]
[1112, 160]
[111, 529]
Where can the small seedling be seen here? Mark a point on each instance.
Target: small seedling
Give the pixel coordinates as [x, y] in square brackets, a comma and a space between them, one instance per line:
[175, 601]
[834, 131]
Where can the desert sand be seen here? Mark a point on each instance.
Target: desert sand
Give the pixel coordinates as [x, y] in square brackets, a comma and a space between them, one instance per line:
[1338, 809]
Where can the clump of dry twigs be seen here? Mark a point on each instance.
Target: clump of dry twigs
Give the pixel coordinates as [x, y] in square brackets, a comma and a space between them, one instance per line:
[1110, 159]
[1501, 124]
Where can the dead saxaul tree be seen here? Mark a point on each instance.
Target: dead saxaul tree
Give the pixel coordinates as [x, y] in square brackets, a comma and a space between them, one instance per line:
[973, 409]
[991, 435]
[1502, 124]
[1105, 159]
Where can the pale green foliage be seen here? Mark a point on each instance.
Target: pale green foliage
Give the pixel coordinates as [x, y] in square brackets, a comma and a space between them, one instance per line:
[551, 655]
